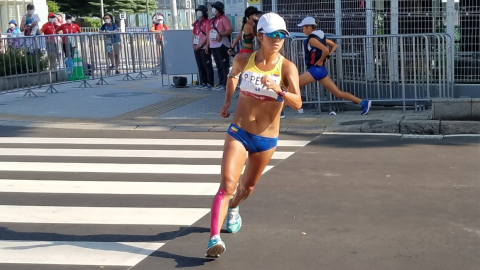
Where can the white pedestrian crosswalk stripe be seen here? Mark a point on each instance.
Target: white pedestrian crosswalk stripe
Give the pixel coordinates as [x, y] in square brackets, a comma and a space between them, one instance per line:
[75, 253]
[111, 168]
[120, 141]
[100, 215]
[108, 187]
[91, 168]
[121, 153]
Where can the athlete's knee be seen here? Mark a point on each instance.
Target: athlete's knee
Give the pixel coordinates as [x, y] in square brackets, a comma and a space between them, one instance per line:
[229, 185]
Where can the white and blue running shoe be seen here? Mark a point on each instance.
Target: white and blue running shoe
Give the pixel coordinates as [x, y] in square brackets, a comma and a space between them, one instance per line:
[215, 247]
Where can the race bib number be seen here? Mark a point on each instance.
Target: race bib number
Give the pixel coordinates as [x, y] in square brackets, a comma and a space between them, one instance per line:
[213, 34]
[196, 39]
[252, 82]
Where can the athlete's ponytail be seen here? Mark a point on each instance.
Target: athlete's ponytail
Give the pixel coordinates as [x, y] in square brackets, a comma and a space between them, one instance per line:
[244, 21]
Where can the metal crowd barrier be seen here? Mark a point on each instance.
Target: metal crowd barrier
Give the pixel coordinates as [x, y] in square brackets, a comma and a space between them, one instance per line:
[28, 63]
[387, 69]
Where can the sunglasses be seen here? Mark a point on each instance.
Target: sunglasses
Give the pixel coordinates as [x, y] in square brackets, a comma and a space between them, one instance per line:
[280, 34]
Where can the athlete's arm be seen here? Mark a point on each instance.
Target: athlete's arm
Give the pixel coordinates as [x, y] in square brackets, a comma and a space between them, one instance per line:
[239, 63]
[317, 44]
[292, 82]
[332, 45]
[291, 86]
[237, 39]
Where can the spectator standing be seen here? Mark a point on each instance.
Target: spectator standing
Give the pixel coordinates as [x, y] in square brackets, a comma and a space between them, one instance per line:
[219, 31]
[51, 44]
[199, 41]
[112, 42]
[69, 44]
[29, 24]
[159, 26]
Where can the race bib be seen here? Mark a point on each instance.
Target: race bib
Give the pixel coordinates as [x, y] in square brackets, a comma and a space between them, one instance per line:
[252, 82]
[196, 39]
[213, 34]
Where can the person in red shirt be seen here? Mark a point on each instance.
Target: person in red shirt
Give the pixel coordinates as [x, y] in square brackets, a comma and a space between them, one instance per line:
[159, 26]
[49, 29]
[70, 42]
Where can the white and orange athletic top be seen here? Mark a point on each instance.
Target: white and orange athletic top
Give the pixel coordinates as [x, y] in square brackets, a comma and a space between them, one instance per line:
[251, 81]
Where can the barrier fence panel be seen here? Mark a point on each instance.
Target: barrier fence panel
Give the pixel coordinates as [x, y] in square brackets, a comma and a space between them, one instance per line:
[32, 62]
[362, 66]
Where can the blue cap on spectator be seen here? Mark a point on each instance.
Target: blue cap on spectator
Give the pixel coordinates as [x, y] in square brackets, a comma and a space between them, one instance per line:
[13, 21]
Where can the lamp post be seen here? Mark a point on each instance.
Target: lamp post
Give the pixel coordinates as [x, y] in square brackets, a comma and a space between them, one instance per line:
[148, 13]
[101, 7]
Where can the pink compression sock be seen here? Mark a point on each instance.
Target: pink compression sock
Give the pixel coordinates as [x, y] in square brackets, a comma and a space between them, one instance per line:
[215, 213]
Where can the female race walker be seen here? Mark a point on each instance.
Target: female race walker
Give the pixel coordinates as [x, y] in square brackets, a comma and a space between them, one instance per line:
[248, 29]
[268, 80]
[316, 54]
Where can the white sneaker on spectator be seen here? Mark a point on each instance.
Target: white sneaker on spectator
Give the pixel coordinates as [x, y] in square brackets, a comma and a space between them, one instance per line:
[220, 88]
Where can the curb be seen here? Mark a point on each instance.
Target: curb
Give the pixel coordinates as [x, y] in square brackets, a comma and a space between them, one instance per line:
[420, 127]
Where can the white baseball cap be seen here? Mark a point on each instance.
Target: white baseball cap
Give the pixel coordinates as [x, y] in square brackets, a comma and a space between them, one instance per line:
[270, 23]
[308, 21]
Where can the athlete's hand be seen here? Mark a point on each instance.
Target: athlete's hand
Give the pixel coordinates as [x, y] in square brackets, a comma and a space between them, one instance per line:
[206, 50]
[224, 110]
[219, 38]
[270, 84]
[319, 63]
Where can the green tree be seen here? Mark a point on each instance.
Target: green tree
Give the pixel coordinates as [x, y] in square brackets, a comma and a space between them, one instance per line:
[77, 8]
[92, 7]
[142, 4]
[93, 22]
[53, 6]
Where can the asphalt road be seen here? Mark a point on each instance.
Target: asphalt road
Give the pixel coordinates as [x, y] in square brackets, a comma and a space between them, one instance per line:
[340, 202]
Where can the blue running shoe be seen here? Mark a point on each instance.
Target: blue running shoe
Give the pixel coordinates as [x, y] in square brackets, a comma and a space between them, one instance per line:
[234, 221]
[215, 247]
[282, 115]
[366, 106]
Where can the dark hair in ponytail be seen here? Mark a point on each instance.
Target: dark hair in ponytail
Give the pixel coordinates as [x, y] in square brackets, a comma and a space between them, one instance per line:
[244, 21]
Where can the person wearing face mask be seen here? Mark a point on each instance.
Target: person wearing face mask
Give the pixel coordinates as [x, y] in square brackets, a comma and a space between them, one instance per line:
[29, 24]
[12, 28]
[51, 44]
[68, 28]
[248, 28]
[159, 26]
[219, 32]
[13, 31]
[112, 42]
[199, 40]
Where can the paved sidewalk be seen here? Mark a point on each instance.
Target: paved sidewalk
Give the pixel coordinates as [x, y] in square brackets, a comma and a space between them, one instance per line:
[143, 104]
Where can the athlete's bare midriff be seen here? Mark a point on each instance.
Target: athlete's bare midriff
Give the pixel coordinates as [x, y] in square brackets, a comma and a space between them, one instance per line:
[258, 117]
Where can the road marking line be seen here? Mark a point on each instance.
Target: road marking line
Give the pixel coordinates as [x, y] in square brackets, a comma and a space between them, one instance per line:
[120, 141]
[47, 152]
[76, 253]
[108, 187]
[112, 168]
[101, 215]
